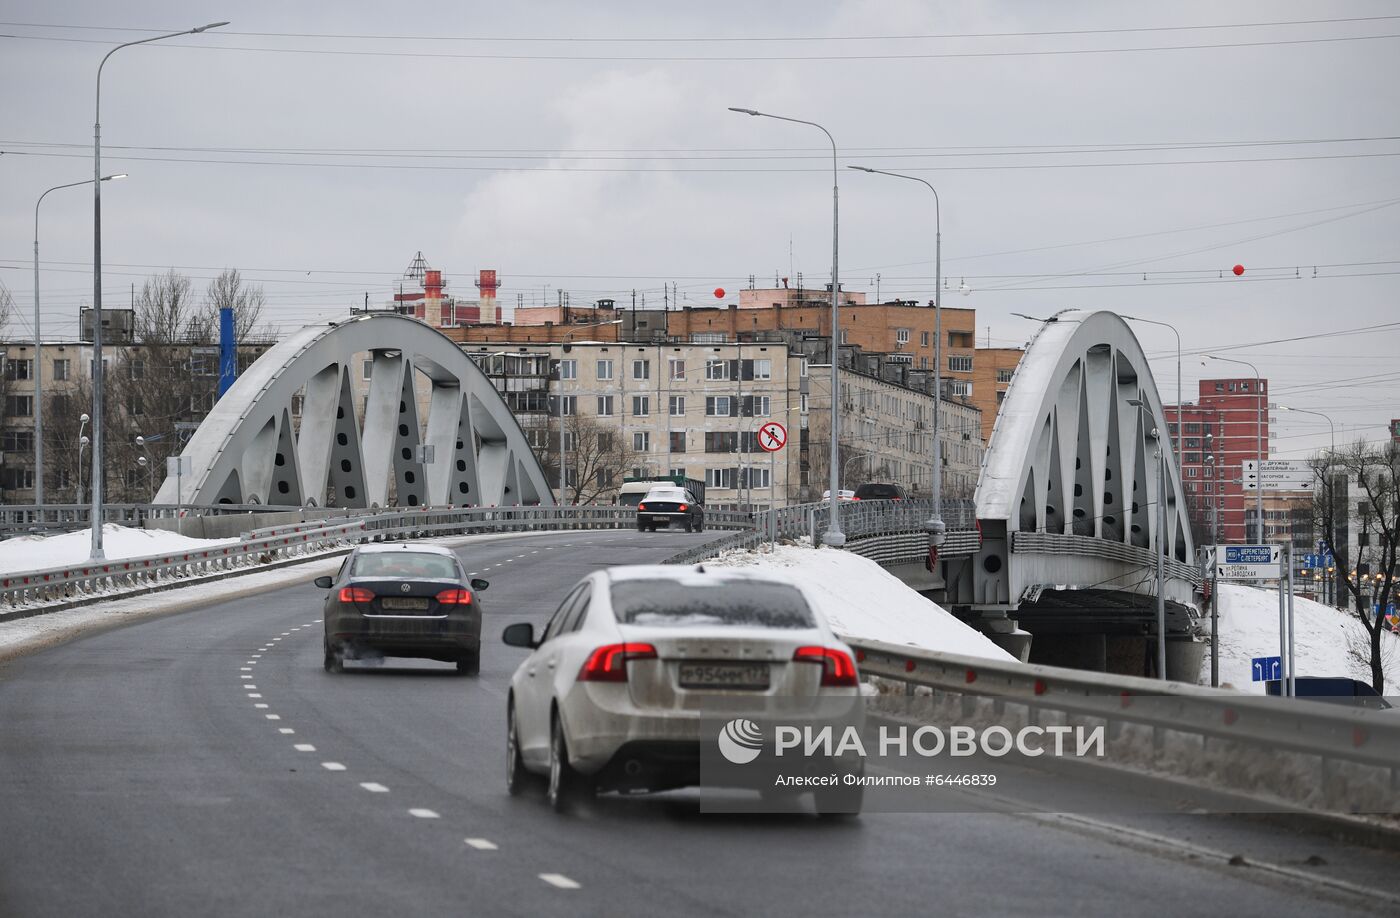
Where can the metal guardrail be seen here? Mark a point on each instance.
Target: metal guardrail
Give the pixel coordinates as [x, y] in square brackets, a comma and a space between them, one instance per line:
[18, 519]
[1252, 734]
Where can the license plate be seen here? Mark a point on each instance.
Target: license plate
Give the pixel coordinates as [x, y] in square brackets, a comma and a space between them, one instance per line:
[407, 604]
[724, 675]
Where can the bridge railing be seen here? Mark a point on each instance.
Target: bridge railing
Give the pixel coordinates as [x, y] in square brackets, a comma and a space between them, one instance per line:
[1300, 753]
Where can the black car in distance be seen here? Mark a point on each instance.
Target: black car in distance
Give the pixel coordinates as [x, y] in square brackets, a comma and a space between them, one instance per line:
[403, 600]
[872, 490]
[668, 505]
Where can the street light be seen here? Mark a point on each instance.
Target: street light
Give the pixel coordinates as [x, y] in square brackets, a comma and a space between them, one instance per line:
[1161, 543]
[1327, 469]
[935, 526]
[1259, 435]
[1179, 425]
[833, 536]
[82, 441]
[38, 348]
[97, 283]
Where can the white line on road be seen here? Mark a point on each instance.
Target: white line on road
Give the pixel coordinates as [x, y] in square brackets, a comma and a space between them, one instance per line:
[256, 656]
[260, 704]
[285, 730]
[249, 686]
[245, 669]
[245, 677]
[481, 844]
[273, 716]
[422, 813]
[559, 880]
[304, 747]
[374, 788]
[254, 695]
[332, 766]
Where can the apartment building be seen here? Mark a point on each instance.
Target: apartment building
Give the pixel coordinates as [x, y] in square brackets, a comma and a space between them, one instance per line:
[1229, 424]
[992, 370]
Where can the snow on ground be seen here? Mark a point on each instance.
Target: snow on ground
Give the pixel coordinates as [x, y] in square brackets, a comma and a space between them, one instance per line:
[1324, 639]
[32, 553]
[863, 600]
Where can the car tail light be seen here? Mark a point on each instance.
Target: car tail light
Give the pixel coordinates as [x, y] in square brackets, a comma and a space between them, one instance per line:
[838, 669]
[641, 506]
[683, 508]
[609, 662]
[355, 594]
[455, 597]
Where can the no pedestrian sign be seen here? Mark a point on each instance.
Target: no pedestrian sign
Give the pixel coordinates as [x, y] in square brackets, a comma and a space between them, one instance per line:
[772, 436]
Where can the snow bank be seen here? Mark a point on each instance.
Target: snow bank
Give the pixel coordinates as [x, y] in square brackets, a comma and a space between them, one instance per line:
[1324, 639]
[862, 600]
[31, 553]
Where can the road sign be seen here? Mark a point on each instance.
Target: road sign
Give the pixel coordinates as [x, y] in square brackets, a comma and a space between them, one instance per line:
[772, 437]
[1277, 475]
[1247, 562]
[1265, 668]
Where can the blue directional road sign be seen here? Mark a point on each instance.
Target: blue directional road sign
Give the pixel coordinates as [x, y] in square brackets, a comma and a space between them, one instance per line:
[1266, 668]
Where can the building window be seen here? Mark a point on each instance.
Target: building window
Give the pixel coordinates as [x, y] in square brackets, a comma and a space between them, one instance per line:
[1004, 375]
[719, 478]
[60, 370]
[677, 441]
[756, 477]
[716, 369]
[641, 406]
[1191, 472]
[641, 441]
[605, 369]
[802, 368]
[571, 441]
[721, 441]
[1193, 428]
[677, 406]
[565, 405]
[641, 369]
[676, 368]
[763, 369]
[845, 336]
[923, 339]
[604, 478]
[19, 406]
[18, 441]
[719, 406]
[17, 479]
[365, 370]
[605, 406]
[568, 369]
[960, 387]
[960, 363]
[802, 402]
[18, 369]
[754, 406]
[134, 407]
[901, 337]
[1210, 486]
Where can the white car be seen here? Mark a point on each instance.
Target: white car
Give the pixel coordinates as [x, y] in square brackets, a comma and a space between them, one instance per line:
[611, 696]
[840, 495]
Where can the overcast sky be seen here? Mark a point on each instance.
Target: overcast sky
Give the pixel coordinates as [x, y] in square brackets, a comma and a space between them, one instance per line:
[587, 147]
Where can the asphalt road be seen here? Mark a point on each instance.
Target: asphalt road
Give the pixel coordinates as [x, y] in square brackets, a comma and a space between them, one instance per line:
[205, 764]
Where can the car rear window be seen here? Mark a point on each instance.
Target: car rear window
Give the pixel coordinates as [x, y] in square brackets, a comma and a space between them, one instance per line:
[668, 495]
[739, 604]
[877, 492]
[405, 565]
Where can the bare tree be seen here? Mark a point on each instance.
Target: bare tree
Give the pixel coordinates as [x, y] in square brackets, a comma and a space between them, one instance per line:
[7, 309]
[1369, 577]
[63, 413]
[596, 455]
[229, 291]
[166, 312]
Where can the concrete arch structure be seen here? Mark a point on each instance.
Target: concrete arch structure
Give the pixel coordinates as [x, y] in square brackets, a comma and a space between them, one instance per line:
[1067, 499]
[249, 451]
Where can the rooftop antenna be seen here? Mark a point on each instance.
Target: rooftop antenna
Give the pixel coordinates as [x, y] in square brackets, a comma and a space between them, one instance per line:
[416, 270]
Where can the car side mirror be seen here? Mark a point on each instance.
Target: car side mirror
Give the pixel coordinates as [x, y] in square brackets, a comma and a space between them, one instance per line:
[521, 634]
[478, 584]
[324, 583]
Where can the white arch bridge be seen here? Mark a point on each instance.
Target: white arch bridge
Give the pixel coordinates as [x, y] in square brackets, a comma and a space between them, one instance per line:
[468, 450]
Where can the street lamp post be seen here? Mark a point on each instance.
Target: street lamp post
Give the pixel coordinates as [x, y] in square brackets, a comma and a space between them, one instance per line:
[82, 441]
[833, 536]
[39, 348]
[1327, 469]
[1179, 424]
[97, 386]
[935, 525]
[1156, 434]
[1259, 436]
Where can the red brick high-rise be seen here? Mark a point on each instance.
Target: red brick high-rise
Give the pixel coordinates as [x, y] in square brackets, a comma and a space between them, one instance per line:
[1223, 429]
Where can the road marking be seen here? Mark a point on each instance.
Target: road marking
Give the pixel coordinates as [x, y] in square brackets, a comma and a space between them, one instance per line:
[332, 766]
[260, 704]
[422, 813]
[481, 844]
[245, 669]
[309, 624]
[254, 695]
[471, 573]
[257, 656]
[318, 621]
[245, 677]
[273, 716]
[374, 788]
[304, 747]
[286, 633]
[251, 688]
[558, 880]
[285, 730]
[277, 639]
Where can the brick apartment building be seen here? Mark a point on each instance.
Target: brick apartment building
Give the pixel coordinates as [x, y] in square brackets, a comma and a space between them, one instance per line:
[1217, 434]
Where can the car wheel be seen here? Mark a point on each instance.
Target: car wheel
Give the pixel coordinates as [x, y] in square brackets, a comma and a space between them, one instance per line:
[518, 778]
[469, 665]
[641, 528]
[688, 527]
[700, 525]
[566, 786]
[334, 660]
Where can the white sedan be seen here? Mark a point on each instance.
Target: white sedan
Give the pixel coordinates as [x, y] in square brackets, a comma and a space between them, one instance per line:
[612, 694]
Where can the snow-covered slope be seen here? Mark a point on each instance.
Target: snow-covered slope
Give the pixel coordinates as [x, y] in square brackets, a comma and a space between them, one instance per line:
[862, 600]
[30, 553]
[1324, 639]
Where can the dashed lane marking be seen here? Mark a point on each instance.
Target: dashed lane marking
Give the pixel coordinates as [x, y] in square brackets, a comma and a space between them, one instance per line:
[481, 844]
[273, 716]
[260, 704]
[559, 881]
[332, 766]
[245, 677]
[304, 747]
[285, 730]
[374, 787]
[422, 813]
[254, 695]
